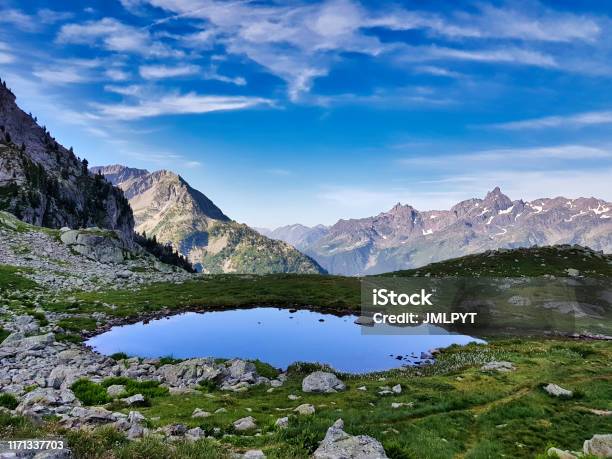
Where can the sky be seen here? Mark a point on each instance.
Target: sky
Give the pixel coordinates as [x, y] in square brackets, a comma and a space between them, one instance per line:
[311, 111]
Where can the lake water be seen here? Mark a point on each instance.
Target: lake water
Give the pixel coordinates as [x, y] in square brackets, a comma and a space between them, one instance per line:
[276, 336]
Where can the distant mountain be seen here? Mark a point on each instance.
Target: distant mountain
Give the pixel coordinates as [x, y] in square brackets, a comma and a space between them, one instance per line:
[167, 207]
[405, 238]
[299, 236]
[43, 183]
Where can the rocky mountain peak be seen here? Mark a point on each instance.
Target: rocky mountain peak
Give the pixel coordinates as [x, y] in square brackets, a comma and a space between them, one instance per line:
[116, 173]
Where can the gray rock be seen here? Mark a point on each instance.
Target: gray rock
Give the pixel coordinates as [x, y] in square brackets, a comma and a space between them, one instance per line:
[62, 376]
[560, 454]
[558, 391]
[572, 272]
[136, 399]
[518, 300]
[194, 434]
[305, 409]
[498, 366]
[245, 424]
[364, 320]
[254, 454]
[282, 423]
[115, 390]
[322, 382]
[337, 444]
[599, 446]
[200, 413]
[397, 389]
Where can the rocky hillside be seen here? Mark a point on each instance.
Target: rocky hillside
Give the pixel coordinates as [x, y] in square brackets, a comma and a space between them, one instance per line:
[45, 184]
[167, 207]
[405, 237]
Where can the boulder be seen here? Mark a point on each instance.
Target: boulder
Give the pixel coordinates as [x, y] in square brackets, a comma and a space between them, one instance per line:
[338, 444]
[254, 454]
[282, 423]
[322, 382]
[195, 434]
[244, 424]
[599, 446]
[200, 413]
[558, 391]
[190, 372]
[99, 245]
[115, 390]
[136, 399]
[502, 367]
[560, 454]
[62, 376]
[305, 409]
[397, 389]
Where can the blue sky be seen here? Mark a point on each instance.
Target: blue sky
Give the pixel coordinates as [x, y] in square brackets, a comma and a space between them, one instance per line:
[311, 111]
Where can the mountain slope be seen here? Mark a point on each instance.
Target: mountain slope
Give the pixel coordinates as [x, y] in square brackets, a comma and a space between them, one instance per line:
[167, 207]
[404, 237]
[299, 236]
[45, 184]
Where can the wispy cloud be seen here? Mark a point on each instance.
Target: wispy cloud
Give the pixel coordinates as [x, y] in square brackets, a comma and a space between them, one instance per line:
[572, 121]
[158, 72]
[523, 154]
[113, 35]
[31, 23]
[190, 103]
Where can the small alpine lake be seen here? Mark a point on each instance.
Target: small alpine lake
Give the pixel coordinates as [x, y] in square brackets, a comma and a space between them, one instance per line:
[276, 336]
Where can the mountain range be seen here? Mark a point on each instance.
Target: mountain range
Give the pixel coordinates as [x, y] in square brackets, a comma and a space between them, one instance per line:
[405, 237]
[45, 184]
[167, 207]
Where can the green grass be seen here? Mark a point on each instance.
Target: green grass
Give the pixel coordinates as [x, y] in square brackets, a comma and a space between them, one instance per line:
[4, 334]
[78, 324]
[91, 393]
[12, 279]
[8, 401]
[219, 291]
[527, 262]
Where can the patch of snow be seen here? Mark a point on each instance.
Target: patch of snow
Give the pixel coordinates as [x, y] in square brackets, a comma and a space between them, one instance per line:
[490, 220]
[433, 216]
[483, 212]
[504, 231]
[582, 212]
[426, 232]
[605, 216]
[600, 209]
[517, 216]
[506, 211]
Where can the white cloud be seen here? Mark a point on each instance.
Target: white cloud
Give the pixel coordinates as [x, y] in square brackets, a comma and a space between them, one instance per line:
[131, 90]
[61, 75]
[113, 35]
[117, 74]
[31, 23]
[157, 72]
[6, 58]
[517, 156]
[190, 103]
[572, 121]
[504, 55]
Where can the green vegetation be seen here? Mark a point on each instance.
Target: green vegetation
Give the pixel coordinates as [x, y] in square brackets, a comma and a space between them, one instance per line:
[332, 293]
[8, 401]
[523, 262]
[11, 278]
[91, 393]
[78, 324]
[453, 409]
[3, 334]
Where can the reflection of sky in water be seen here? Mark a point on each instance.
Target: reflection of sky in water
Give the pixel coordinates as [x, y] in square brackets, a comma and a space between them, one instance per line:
[272, 335]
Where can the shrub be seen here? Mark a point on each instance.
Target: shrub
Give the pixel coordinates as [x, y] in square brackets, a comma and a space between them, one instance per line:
[149, 389]
[8, 401]
[119, 356]
[90, 393]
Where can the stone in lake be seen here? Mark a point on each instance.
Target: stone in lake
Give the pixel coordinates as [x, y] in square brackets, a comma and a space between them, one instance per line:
[338, 444]
[364, 320]
[322, 382]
